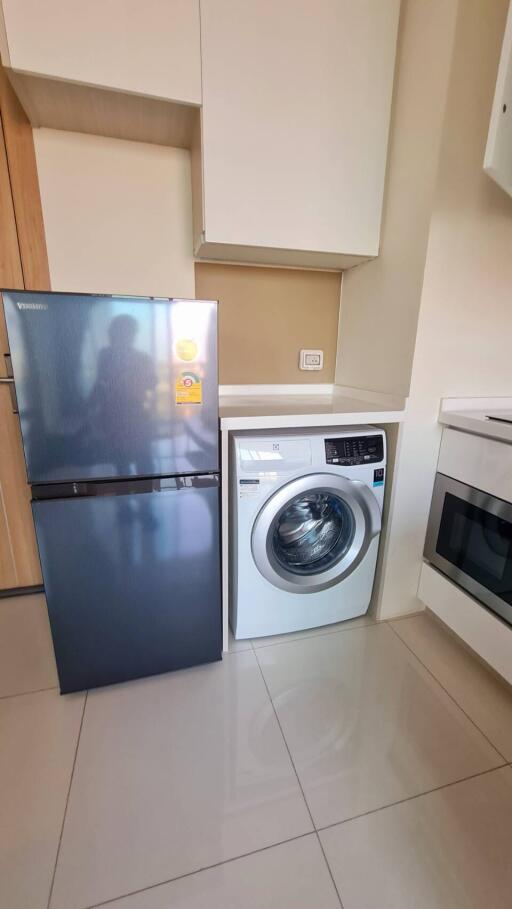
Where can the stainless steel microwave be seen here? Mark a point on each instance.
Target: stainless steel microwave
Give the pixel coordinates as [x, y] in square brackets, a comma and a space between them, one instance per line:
[469, 539]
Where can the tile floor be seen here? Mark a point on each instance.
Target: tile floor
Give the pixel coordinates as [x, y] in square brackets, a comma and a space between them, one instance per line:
[363, 766]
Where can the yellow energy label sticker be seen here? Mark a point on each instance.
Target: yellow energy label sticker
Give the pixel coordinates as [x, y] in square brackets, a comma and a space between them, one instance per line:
[189, 389]
[186, 349]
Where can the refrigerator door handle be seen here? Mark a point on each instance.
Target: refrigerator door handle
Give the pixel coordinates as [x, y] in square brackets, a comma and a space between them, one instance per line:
[198, 480]
[123, 487]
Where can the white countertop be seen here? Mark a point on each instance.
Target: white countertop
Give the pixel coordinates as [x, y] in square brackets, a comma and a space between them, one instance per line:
[283, 411]
[476, 421]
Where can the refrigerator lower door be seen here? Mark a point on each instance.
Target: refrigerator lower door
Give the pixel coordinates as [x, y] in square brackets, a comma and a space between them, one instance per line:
[132, 580]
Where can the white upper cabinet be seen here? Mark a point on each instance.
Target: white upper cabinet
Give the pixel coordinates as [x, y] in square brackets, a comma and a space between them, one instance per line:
[498, 154]
[295, 121]
[147, 47]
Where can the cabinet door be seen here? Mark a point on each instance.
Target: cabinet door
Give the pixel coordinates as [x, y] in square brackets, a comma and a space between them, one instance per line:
[148, 47]
[296, 108]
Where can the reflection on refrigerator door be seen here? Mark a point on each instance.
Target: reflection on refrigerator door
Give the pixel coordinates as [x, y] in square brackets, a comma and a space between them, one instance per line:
[96, 380]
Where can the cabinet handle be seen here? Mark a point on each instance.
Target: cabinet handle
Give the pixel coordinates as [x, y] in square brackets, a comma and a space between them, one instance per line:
[8, 365]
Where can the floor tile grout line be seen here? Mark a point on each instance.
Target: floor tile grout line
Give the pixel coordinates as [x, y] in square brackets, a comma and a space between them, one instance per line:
[331, 875]
[297, 775]
[322, 634]
[406, 615]
[21, 694]
[284, 740]
[50, 895]
[291, 839]
[452, 698]
[412, 798]
[180, 877]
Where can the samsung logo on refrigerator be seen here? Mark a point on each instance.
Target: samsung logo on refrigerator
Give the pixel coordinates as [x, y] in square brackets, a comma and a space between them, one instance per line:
[32, 305]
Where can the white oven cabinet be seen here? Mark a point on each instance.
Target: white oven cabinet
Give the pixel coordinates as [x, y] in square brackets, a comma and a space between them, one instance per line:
[295, 121]
[145, 47]
[477, 461]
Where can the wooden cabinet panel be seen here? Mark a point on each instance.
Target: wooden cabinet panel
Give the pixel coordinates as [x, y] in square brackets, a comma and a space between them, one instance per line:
[8, 576]
[296, 110]
[11, 274]
[18, 549]
[22, 169]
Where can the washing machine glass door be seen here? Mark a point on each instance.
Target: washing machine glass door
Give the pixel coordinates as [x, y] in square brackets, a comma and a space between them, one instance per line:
[314, 531]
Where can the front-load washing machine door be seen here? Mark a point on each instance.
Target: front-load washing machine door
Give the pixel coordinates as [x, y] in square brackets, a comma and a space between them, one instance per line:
[314, 531]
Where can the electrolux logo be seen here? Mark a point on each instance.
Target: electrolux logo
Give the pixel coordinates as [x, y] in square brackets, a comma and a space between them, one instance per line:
[32, 305]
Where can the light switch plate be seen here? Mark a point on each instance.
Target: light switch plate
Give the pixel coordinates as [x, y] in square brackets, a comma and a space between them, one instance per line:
[311, 359]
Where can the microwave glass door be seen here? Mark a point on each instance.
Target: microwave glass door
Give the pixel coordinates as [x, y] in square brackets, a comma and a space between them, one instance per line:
[479, 543]
[469, 538]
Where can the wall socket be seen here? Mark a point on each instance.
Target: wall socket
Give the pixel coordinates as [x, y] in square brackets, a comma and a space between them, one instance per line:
[311, 359]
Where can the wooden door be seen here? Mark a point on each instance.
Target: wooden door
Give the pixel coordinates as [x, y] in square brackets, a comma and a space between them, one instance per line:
[23, 264]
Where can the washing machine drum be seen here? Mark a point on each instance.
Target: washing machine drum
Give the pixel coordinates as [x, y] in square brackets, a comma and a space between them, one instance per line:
[314, 531]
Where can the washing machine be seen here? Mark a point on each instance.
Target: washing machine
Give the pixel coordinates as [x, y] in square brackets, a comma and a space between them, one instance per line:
[305, 522]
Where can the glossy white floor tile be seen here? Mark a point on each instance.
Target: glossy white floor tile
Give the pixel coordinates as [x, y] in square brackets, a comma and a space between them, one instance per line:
[483, 696]
[293, 875]
[190, 770]
[446, 850]
[313, 632]
[38, 736]
[366, 724]
[173, 774]
[27, 662]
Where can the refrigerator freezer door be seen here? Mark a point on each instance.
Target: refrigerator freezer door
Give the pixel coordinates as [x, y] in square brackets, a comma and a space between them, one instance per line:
[114, 386]
[132, 581]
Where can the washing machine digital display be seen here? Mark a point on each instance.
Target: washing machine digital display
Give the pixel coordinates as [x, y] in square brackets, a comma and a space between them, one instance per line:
[353, 450]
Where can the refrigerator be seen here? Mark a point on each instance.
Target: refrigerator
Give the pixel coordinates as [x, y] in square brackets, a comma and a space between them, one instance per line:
[118, 406]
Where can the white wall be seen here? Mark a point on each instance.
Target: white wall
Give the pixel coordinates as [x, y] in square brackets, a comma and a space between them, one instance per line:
[117, 214]
[463, 342]
[380, 300]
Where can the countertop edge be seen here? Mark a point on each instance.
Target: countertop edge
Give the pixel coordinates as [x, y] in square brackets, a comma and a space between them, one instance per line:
[304, 421]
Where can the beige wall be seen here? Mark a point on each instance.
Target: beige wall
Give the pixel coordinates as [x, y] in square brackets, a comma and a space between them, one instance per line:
[266, 316]
[118, 220]
[465, 320]
[380, 299]
[117, 214]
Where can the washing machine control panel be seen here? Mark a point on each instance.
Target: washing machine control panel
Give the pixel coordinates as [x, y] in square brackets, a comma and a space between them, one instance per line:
[353, 450]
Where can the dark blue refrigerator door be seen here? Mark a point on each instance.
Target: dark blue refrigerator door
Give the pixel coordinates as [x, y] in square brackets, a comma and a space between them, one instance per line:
[132, 580]
[114, 386]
